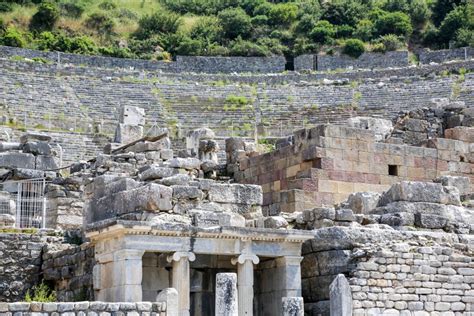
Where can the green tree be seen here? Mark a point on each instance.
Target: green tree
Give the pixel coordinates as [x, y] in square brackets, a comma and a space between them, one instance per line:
[13, 37]
[283, 13]
[353, 47]
[364, 30]
[323, 32]
[340, 12]
[101, 22]
[235, 22]
[46, 17]
[397, 23]
[461, 17]
[441, 8]
[158, 23]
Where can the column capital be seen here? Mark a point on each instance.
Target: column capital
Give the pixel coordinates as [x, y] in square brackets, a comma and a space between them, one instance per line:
[244, 257]
[178, 255]
[288, 261]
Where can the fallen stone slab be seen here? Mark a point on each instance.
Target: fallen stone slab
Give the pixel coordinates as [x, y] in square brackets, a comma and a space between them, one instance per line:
[151, 197]
[185, 163]
[420, 192]
[45, 163]
[127, 133]
[37, 148]
[236, 193]
[17, 160]
[463, 184]
[363, 202]
[30, 136]
[178, 179]
[22, 173]
[155, 172]
[187, 192]
[213, 219]
[7, 146]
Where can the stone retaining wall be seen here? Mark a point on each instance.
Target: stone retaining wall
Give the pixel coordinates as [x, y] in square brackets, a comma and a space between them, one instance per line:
[390, 272]
[230, 64]
[20, 262]
[83, 308]
[366, 60]
[440, 56]
[70, 271]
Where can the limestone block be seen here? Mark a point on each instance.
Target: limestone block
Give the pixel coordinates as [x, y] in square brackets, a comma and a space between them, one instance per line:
[21, 174]
[45, 163]
[178, 179]
[226, 294]
[132, 115]
[140, 147]
[340, 297]
[32, 136]
[381, 127]
[212, 219]
[430, 221]
[234, 143]
[186, 192]
[170, 297]
[463, 184]
[194, 137]
[117, 185]
[236, 193]
[420, 192]
[292, 306]
[155, 172]
[125, 133]
[463, 133]
[17, 160]
[275, 222]
[363, 202]
[37, 148]
[7, 146]
[185, 163]
[345, 215]
[398, 219]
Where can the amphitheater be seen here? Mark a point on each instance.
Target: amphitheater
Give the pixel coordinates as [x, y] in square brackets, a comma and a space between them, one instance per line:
[237, 186]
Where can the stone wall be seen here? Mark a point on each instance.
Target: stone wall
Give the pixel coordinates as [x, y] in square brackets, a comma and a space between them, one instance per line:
[70, 272]
[305, 62]
[20, 262]
[390, 272]
[440, 56]
[89, 308]
[182, 64]
[366, 60]
[327, 163]
[230, 64]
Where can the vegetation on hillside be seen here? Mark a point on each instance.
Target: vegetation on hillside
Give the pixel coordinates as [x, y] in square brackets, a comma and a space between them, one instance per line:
[160, 29]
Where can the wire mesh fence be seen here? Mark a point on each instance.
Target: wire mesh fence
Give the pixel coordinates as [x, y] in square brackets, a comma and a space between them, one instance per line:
[26, 201]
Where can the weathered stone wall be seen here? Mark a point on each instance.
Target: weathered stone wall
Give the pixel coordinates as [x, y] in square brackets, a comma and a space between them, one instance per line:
[305, 62]
[327, 163]
[70, 272]
[439, 56]
[366, 60]
[390, 272]
[230, 64]
[89, 308]
[20, 262]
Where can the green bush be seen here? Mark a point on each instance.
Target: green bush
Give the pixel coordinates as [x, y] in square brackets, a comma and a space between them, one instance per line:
[390, 42]
[157, 23]
[464, 37]
[241, 47]
[100, 22]
[340, 12]
[457, 19]
[323, 32]
[353, 47]
[5, 6]
[71, 8]
[107, 5]
[41, 293]
[364, 30]
[13, 37]
[397, 23]
[283, 13]
[235, 22]
[46, 17]
[344, 31]
[441, 8]
[419, 11]
[305, 24]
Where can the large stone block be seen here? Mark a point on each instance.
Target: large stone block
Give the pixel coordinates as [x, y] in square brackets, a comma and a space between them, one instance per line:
[226, 294]
[155, 172]
[37, 148]
[185, 163]
[140, 147]
[236, 193]
[132, 115]
[127, 133]
[363, 202]
[17, 160]
[151, 197]
[7, 146]
[21, 174]
[170, 296]
[463, 184]
[32, 136]
[45, 163]
[381, 127]
[421, 192]
[340, 297]
[212, 219]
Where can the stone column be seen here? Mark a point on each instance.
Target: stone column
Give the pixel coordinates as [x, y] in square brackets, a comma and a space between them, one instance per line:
[245, 264]
[226, 294]
[340, 297]
[288, 276]
[126, 276]
[181, 279]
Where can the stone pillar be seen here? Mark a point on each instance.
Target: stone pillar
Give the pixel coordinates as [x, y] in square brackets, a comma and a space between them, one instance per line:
[181, 279]
[340, 297]
[226, 294]
[127, 275]
[292, 306]
[245, 271]
[288, 274]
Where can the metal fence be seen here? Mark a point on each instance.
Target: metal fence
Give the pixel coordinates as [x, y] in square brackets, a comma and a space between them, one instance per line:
[26, 201]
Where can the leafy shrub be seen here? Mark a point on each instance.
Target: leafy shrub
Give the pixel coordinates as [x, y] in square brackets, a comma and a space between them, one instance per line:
[41, 293]
[344, 31]
[73, 9]
[390, 42]
[46, 17]
[13, 37]
[241, 47]
[364, 30]
[419, 11]
[397, 23]
[100, 22]
[339, 12]
[305, 24]
[323, 32]
[235, 22]
[207, 29]
[5, 6]
[457, 19]
[353, 47]
[107, 5]
[283, 13]
[2, 26]
[157, 23]
[464, 37]
[441, 8]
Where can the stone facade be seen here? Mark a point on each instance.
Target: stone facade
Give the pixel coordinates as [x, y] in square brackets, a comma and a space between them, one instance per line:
[439, 56]
[366, 60]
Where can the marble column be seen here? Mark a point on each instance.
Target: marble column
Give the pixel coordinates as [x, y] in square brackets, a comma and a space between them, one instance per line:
[181, 279]
[245, 263]
[288, 273]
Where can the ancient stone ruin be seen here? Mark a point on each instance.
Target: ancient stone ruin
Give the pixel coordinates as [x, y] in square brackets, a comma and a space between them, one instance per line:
[348, 213]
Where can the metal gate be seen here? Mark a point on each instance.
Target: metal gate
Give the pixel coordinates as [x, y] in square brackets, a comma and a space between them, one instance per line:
[30, 202]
